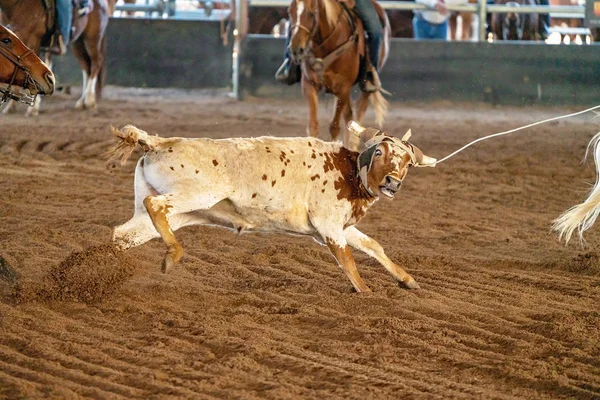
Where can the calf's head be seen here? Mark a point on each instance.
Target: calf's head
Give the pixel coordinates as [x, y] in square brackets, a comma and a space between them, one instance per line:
[384, 160]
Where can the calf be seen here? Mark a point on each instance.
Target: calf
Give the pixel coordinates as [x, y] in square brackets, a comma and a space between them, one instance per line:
[293, 185]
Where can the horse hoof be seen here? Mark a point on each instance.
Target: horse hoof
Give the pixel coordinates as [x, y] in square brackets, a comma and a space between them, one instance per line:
[79, 105]
[410, 284]
[32, 112]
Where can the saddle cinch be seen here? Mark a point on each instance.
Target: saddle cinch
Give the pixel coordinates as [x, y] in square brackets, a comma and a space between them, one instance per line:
[295, 74]
[49, 43]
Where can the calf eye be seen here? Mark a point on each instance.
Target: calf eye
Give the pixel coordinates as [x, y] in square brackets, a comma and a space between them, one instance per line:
[377, 153]
[6, 41]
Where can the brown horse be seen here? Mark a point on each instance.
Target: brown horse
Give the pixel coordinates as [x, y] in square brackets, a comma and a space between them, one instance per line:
[466, 32]
[263, 19]
[21, 71]
[88, 41]
[330, 43]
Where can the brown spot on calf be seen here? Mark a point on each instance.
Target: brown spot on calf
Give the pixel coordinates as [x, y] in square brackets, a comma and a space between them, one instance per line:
[215, 163]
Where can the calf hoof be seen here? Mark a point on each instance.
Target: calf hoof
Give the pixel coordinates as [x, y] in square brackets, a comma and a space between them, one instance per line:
[410, 284]
[171, 258]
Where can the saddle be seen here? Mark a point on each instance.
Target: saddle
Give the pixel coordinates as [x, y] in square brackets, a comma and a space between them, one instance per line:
[353, 19]
[50, 39]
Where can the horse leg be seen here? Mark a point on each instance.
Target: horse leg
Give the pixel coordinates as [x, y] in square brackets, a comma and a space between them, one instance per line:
[312, 96]
[342, 102]
[83, 58]
[467, 20]
[34, 110]
[9, 107]
[453, 25]
[87, 50]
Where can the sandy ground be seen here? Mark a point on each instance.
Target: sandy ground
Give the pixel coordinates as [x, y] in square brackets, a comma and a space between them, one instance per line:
[505, 310]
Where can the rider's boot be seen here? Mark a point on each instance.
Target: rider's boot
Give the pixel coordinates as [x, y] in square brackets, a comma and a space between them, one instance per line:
[58, 46]
[372, 82]
[289, 72]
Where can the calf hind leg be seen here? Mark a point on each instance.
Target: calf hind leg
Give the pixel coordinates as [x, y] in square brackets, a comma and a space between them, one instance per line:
[167, 214]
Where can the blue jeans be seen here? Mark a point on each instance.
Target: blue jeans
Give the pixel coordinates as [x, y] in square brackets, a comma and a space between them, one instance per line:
[64, 11]
[426, 30]
[370, 19]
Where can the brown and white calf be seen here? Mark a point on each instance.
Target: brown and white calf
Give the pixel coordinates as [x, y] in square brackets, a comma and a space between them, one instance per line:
[292, 185]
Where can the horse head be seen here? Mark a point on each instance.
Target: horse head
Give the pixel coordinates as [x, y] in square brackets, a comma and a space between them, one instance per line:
[21, 69]
[304, 20]
[512, 23]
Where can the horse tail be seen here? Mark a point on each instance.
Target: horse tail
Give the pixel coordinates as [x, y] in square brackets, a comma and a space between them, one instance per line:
[102, 73]
[127, 138]
[379, 103]
[582, 216]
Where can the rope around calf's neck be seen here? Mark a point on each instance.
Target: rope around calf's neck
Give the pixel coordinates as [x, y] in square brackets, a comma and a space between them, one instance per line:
[515, 130]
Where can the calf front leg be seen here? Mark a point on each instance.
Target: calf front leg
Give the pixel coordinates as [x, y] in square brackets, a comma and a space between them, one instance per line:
[362, 242]
[343, 255]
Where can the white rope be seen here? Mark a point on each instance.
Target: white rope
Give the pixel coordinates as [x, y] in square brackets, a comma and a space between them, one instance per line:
[516, 129]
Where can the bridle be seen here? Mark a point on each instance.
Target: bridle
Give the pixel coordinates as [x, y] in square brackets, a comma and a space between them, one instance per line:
[318, 64]
[19, 66]
[315, 19]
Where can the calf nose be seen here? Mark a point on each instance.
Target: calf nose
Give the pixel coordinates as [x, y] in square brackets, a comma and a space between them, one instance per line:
[392, 183]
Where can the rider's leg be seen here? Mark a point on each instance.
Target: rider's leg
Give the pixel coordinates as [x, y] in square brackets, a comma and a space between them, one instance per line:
[374, 29]
[64, 11]
[283, 72]
[544, 21]
[289, 72]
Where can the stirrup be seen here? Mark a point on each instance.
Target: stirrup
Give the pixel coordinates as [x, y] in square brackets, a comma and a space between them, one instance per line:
[371, 83]
[283, 72]
[58, 46]
[289, 73]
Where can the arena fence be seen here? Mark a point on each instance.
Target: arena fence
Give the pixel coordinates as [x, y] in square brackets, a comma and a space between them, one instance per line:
[193, 54]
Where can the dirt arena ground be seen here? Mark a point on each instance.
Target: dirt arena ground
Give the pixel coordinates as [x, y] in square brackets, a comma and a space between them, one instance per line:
[505, 310]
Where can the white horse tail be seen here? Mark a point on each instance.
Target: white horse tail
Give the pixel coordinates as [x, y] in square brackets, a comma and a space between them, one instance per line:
[582, 216]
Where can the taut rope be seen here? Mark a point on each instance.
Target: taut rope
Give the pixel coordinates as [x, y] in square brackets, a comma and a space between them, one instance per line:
[515, 130]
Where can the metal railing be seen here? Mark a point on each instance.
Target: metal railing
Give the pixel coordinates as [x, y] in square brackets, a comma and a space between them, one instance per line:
[481, 9]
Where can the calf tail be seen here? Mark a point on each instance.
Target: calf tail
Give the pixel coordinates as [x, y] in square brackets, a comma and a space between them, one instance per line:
[127, 138]
[582, 216]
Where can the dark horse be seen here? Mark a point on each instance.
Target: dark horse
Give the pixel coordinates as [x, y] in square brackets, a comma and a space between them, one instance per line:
[516, 26]
[32, 21]
[330, 43]
[22, 74]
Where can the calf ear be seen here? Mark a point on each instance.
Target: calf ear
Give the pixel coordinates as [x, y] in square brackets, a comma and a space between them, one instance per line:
[365, 160]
